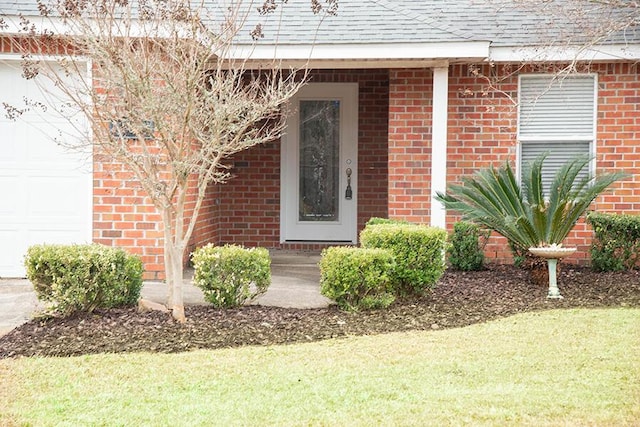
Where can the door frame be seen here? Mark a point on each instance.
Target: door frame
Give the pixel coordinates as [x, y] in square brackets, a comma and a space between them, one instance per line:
[346, 229]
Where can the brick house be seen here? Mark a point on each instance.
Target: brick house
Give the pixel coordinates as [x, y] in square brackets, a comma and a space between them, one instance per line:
[406, 111]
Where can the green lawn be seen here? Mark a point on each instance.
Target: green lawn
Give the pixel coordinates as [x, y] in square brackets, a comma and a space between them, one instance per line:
[562, 367]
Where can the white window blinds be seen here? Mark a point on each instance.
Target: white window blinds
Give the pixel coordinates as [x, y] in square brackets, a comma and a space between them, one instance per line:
[557, 116]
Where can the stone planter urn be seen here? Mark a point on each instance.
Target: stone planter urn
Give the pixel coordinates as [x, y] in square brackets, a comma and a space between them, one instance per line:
[552, 254]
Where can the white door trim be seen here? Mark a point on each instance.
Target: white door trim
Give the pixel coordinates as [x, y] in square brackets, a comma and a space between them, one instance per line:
[345, 229]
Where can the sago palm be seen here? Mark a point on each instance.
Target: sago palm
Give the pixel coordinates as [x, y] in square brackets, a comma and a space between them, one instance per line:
[525, 214]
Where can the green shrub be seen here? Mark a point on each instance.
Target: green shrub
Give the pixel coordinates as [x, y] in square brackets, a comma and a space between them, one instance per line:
[465, 250]
[418, 251]
[357, 278]
[519, 254]
[231, 275]
[84, 277]
[377, 221]
[616, 242]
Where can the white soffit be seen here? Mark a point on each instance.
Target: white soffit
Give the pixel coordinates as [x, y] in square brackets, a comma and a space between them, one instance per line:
[13, 25]
[613, 52]
[476, 50]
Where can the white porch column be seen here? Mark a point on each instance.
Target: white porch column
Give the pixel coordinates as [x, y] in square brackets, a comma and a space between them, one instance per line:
[439, 143]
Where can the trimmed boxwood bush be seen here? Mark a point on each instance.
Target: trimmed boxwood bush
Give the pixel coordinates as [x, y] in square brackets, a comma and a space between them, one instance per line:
[377, 221]
[231, 275]
[418, 251]
[616, 242]
[465, 252]
[84, 277]
[357, 278]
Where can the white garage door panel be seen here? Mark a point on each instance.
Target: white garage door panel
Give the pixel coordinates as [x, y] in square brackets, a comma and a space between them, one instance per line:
[53, 236]
[10, 137]
[45, 190]
[10, 253]
[40, 147]
[9, 211]
[55, 196]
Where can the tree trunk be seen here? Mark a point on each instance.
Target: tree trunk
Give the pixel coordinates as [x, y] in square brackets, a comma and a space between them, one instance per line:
[168, 272]
[174, 276]
[177, 304]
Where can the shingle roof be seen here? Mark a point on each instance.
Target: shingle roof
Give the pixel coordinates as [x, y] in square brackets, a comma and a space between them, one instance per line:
[502, 22]
[15, 7]
[357, 21]
[527, 22]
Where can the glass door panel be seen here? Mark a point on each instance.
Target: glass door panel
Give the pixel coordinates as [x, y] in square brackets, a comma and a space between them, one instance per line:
[319, 160]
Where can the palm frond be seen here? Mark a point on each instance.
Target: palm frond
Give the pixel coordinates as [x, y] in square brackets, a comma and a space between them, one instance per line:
[534, 188]
[575, 207]
[493, 199]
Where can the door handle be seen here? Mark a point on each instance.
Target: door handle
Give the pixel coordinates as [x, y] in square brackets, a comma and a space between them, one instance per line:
[348, 194]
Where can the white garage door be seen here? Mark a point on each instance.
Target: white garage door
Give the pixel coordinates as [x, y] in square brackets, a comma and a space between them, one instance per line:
[45, 190]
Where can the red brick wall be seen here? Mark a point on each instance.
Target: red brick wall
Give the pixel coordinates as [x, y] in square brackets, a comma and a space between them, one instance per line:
[618, 127]
[246, 210]
[482, 131]
[394, 160]
[123, 216]
[394, 106]
[20, 44]
[250, 201]
[410, 108]
[208, 222]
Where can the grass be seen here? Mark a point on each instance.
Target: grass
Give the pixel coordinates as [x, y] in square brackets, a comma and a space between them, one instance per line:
[563, 367]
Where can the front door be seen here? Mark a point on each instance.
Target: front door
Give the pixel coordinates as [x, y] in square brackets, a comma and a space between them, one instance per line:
[319, 165]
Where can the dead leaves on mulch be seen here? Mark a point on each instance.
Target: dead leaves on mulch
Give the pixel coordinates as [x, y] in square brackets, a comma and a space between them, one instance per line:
[461, 298]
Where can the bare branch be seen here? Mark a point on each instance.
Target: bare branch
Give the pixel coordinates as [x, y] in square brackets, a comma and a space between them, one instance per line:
[162, 98]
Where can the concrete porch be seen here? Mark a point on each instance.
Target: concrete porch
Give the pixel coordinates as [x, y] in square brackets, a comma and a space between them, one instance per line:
[295, 283]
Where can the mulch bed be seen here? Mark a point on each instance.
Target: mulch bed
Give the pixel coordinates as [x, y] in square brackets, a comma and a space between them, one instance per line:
[460, 299]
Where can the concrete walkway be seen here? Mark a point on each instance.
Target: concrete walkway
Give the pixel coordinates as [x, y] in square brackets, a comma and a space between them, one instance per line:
[295, 280]
[18, 303]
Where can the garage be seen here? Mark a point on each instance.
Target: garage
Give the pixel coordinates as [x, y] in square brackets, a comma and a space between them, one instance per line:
[45, 190]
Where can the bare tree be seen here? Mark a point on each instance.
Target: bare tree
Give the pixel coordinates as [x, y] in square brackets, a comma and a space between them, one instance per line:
[582, 28]
[164, 98]
[565, 36]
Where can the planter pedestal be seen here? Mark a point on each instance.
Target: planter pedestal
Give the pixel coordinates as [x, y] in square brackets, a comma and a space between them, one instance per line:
[552, 255]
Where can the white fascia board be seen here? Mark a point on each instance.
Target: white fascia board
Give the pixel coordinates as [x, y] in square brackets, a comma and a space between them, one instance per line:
[361, 51]
[613, 52]
[47, 57]
[40, 23]
[55, 25]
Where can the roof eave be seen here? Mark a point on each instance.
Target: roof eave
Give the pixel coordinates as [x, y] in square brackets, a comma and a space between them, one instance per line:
[600, 53]
[363, 55]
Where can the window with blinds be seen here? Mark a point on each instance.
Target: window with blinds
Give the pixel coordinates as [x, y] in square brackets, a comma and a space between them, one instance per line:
[556, 115]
